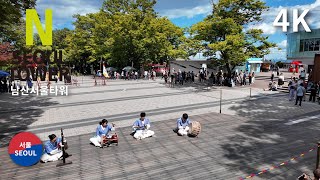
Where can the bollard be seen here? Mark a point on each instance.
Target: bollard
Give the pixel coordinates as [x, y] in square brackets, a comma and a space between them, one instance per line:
[250, 92]
[318, 155]
[220, 99]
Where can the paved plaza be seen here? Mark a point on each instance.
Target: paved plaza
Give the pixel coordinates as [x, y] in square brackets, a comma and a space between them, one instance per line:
[250, 135]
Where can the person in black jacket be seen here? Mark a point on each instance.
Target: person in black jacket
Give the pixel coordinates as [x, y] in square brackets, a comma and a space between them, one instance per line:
[313, 93]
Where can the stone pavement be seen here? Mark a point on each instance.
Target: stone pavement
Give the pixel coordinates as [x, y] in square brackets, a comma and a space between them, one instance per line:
[249, 136]
[119, 101]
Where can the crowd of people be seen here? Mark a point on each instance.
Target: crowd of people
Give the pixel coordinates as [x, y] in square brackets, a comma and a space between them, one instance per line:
[219, 78]
[128, 75]
[298, 87]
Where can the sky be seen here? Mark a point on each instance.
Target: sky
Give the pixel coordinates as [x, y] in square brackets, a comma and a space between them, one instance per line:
[185, 13]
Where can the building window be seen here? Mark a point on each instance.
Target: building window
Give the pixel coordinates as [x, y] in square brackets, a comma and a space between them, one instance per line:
[301, 45]
[306, 45]
[309, 45]
[316, 46]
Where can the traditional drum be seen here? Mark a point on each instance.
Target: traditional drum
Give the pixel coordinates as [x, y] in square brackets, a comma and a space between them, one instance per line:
[113, 140]
[194, 128]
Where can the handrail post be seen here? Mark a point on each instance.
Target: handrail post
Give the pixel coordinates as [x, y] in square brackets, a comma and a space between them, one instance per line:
[318, 155]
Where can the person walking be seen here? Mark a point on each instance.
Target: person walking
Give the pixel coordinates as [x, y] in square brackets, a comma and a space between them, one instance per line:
[300, 93]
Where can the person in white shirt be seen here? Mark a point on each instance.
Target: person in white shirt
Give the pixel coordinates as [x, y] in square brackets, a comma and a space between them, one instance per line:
[303, 75]
[136, 74]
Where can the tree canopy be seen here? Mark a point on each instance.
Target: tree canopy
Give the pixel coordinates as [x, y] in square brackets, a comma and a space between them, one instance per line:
[226, 31]
[11, 14]
[126, 32]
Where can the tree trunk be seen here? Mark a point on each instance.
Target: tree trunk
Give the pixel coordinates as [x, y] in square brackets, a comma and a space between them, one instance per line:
[229, 70]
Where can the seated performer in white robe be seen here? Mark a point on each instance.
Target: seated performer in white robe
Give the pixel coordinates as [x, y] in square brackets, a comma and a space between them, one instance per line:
[141, 127]
[183, 125]
[102, 132]
[52, 149]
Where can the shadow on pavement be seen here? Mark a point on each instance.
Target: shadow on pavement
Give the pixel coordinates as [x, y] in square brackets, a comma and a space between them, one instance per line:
[16, 116]
[265, 140]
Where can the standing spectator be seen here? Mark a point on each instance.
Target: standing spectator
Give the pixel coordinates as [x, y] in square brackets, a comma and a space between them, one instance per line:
[176, 77]
[291, 90]
[313, 93]
[213, 78]
[303, 75]
[188, 77]
[136, 75]
[250, 78]
[300, 93]
[172, 77]
[310, 78]
[145, 75]
[183, 77]
[128, 75]
[244, 79]
[240, 78]
[154, 74]
[165, 77]
[192, 76]
[272, 76]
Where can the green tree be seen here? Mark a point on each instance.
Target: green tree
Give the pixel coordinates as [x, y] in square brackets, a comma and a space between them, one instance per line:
[126, 32]
[11, 14]
[224, 31]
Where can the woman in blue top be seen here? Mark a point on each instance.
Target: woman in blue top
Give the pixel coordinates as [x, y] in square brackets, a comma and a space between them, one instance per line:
[102, 133]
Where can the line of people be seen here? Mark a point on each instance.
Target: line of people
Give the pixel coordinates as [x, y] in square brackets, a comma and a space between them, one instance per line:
[141, 129]
[129, 75]
[219, 78]
[179, 77]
